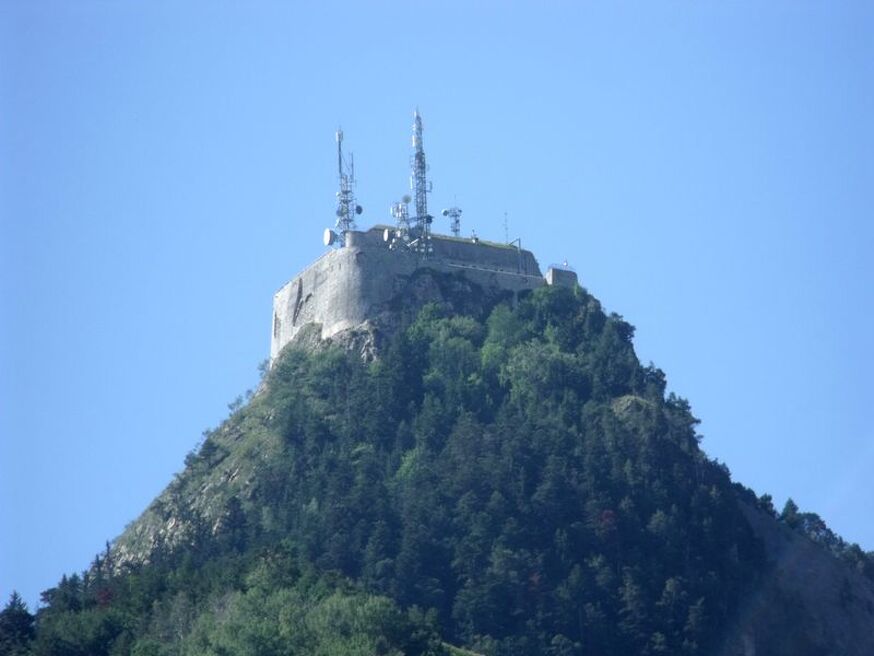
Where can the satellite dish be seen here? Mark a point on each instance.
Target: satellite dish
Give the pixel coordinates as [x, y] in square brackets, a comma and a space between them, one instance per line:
[358, 209]
[386, 235]
[329, 237]
[445, 212]
[406, 198]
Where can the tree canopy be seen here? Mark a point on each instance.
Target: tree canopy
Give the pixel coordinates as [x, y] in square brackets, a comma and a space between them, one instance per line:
[517, 483]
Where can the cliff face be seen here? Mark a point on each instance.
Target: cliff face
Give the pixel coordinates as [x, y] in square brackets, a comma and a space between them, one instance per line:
[808, 603]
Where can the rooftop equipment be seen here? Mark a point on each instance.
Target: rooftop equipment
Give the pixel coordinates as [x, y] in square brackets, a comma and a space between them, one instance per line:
[454, 214]
[400, 236]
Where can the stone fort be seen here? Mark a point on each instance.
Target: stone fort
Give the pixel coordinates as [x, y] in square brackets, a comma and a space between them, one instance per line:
[356, 285]
[373, 281]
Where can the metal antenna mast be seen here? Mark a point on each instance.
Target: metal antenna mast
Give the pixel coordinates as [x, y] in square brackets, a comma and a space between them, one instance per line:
[454, 214]
[421, 189]
[347, 208]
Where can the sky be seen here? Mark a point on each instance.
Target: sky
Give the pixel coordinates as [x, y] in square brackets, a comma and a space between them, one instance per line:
[707, 168]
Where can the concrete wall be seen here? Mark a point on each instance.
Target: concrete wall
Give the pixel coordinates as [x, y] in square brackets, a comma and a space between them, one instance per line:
[561, 277]
[347, 286]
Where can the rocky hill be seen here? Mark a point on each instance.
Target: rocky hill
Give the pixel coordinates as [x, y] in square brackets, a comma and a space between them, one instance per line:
[506, 478]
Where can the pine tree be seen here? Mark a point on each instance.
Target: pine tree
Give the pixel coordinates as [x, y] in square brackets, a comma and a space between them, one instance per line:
[16, 627]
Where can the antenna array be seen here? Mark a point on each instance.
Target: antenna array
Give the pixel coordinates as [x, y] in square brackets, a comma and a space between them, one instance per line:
[347, 208]
[413, 233]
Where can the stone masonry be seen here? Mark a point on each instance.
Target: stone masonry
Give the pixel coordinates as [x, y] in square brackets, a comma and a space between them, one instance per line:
[347, 287]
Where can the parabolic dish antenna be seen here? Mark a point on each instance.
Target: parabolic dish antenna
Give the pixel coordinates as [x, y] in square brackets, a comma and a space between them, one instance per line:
[329, 237]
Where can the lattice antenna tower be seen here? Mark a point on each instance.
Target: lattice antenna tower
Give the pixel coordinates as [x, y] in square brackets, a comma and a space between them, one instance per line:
[347, 208]
[454, 214]
[421, 188]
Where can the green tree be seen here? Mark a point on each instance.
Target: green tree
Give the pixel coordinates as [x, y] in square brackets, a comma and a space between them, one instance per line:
[16, 627]
[790, 513]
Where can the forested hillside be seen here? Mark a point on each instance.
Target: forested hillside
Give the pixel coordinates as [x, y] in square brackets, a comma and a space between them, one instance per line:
[514, 483]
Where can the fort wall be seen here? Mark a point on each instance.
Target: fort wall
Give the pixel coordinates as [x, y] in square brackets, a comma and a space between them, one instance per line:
[348, 286]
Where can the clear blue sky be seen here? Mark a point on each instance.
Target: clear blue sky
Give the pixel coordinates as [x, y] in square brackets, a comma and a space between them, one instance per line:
[708, 167]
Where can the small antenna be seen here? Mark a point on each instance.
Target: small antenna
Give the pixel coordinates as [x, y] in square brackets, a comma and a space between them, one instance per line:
[506, 230]
[454, 214]
[347, 208]
[401, 213]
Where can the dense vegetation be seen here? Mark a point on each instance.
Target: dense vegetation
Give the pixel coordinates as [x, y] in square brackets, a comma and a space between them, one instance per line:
[516, 483]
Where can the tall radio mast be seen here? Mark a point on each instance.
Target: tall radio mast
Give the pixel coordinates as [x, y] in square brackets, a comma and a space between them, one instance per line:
[421, 188]
[347, 208]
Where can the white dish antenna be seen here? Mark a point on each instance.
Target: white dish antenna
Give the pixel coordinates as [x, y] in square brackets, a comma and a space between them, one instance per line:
[329, 237]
